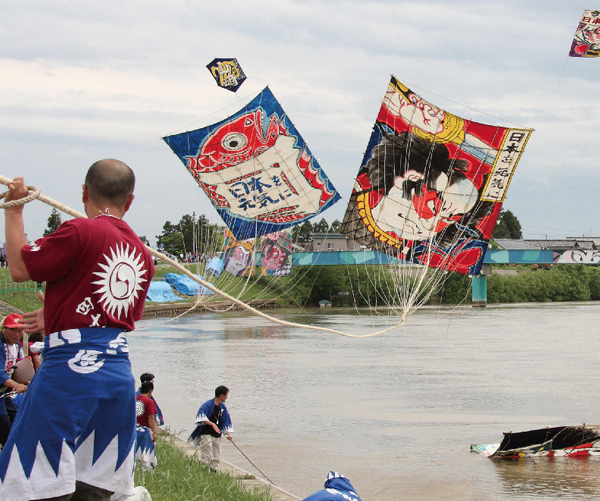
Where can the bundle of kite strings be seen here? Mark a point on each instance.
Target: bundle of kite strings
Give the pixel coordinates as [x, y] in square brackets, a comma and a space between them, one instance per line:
[35, 194]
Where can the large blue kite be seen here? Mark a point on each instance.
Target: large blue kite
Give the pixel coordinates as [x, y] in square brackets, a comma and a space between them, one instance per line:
[256, 169]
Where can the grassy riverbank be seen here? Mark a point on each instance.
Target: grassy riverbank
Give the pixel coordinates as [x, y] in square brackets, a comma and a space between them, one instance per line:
[182, 477]
[23, 296]
[307, 286]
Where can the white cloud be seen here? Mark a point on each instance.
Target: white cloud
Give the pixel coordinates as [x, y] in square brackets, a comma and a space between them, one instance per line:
[87, 80]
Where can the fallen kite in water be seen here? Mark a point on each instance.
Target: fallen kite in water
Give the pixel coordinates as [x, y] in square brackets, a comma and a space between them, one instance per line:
[560, 441]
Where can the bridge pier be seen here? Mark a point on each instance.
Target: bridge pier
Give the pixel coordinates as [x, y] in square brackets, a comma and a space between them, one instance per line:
[479, 287]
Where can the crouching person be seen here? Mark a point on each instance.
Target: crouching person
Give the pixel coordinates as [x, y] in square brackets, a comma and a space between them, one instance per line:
[337, 488]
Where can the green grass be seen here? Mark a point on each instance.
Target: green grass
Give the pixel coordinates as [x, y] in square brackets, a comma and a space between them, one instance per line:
[23, 296]
[179, 477]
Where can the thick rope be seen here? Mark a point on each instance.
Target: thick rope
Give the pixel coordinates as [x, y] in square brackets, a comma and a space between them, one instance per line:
[208, 285]
[34, 192]
[250, 461]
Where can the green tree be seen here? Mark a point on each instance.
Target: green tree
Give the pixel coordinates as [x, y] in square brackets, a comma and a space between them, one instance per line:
[171, 240]
[507, 226]
[54, 222]
[321, 227]
[191, 234]
[335, 226]
[301, 232]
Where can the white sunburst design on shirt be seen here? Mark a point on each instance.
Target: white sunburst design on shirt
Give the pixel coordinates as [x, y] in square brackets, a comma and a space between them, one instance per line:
[121, 280]
[139, 408]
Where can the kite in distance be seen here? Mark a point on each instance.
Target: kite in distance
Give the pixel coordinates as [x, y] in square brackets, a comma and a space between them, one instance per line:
[227, 73]
[586, 42]
[431, 184]
[276, 254]
[256, 169]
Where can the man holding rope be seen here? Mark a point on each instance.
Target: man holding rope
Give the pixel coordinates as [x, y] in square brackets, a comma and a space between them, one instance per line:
[74, 435]
[212, 421]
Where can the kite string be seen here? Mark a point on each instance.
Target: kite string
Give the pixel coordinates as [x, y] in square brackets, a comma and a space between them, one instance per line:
[4, 180]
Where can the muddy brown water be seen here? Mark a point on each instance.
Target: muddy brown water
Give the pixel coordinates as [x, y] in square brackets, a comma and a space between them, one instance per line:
[394, 413]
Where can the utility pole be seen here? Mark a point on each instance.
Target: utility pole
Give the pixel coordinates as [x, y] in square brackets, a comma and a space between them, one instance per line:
[194, 233]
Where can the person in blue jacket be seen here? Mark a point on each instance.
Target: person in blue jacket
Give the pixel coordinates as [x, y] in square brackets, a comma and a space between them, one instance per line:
[337, 488]
[212, 421]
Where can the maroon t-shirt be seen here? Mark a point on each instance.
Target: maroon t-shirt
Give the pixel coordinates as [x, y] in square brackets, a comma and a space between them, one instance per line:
[145, 409]
[97, 273]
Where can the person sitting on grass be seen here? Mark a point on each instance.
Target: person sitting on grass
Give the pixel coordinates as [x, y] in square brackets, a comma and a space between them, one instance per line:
[10, 352]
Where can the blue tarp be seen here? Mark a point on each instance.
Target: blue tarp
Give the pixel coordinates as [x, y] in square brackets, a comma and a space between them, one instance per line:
[161, 292]
[215, 267]
[170, 278]
[185, 285]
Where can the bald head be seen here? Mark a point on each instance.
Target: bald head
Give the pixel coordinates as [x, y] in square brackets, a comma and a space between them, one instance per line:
[110, 181]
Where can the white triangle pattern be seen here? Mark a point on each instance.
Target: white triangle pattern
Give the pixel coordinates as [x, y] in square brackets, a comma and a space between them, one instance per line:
[102, 473]
[146, 454]
[43, 482]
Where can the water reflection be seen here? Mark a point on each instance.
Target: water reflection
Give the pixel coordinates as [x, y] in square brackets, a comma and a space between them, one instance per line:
[257, 332]
[543, 477]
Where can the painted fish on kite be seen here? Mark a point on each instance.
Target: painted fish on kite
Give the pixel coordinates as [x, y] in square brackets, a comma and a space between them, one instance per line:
[227, 73]
[431, 184]
[256, 169]
[586, 42]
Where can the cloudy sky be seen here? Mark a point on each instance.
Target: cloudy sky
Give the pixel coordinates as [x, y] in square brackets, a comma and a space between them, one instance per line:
[84, 80]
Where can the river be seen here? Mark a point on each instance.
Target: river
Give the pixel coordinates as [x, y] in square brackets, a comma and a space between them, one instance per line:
[394, 413]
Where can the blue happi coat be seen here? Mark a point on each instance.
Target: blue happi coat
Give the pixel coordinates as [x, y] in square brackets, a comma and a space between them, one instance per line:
[337, 488]
[85, 441]
[204, 414]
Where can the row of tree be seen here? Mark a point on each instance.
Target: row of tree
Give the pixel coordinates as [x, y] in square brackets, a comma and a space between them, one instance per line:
[195, 234]
[373, 286]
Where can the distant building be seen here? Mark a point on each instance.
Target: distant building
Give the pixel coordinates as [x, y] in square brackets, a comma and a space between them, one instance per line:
[556, 245]
[323, 242]
[509, 244]
[560, 245]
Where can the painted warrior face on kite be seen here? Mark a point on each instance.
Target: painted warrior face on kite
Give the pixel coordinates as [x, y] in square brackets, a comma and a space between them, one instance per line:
[586, 42]
[431, 184]
[587, 38]
[237, 259]
[422, 190]
[274, 257]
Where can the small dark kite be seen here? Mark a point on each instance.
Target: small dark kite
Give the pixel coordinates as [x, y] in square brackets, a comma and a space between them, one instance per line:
[227, 73]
